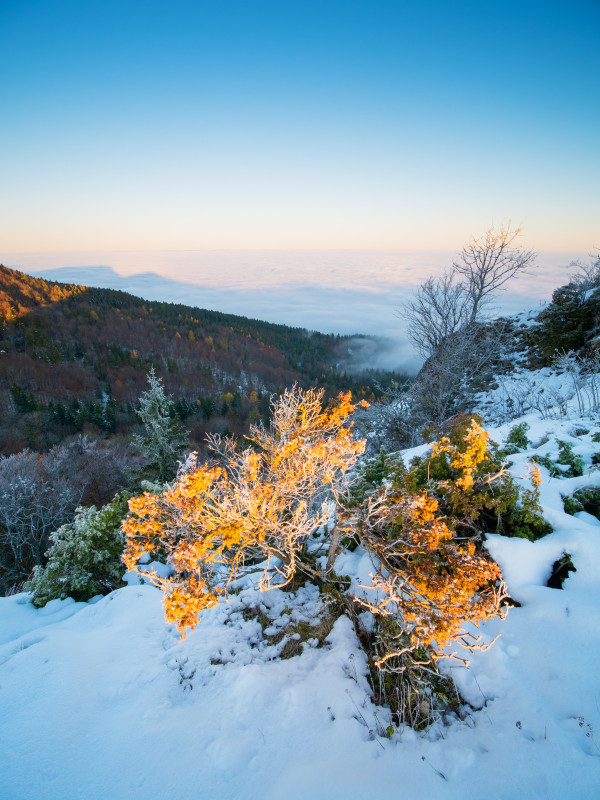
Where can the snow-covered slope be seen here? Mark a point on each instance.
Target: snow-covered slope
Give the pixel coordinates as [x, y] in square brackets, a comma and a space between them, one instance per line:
[101, 700]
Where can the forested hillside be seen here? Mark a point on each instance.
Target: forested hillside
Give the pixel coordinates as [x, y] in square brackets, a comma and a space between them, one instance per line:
[75, 359]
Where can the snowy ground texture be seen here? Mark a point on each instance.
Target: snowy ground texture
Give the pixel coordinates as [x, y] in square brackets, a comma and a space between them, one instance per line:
[101, 700]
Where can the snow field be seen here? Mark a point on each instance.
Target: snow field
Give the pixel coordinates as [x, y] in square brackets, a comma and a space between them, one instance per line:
[102, 700]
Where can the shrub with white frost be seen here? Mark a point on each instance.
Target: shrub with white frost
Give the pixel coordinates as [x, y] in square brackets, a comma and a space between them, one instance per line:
[84, 559]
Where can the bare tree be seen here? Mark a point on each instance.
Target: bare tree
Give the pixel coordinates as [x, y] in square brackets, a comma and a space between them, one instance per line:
[440, 308]
[488, 262]
[448, 328]
[460, 367]
[39, 494]
[448, 304]
[95, 470]
[33, 503]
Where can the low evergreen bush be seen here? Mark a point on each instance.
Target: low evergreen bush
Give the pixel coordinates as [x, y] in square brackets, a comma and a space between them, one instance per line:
[571, 505]
[567, 465]
[484, 506]
[85, 557]
[588, 500]
[517, 439]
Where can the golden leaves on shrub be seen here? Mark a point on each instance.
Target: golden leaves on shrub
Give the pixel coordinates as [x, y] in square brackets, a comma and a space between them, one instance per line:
[430, 582]
[262, 503]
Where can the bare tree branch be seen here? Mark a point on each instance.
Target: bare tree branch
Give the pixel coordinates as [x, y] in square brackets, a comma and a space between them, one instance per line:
[489, 261]
[440, 308]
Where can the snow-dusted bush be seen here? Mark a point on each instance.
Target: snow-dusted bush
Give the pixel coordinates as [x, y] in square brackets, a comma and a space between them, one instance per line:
[85, 558]
[517, 439]
[422, 529]
[567, 465]
[263, 503]
[260, 502]
[570, 321]
[423, 526]
[583, 500]
[35, 499]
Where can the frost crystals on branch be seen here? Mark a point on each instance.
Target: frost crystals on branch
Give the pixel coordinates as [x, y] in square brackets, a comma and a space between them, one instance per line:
[259, 503]
[488, 262]
[164, 438]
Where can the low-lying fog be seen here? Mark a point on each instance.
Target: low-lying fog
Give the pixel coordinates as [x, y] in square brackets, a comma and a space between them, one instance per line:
[331, 291]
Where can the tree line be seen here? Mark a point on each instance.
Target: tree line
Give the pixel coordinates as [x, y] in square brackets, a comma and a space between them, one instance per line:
[75, 360]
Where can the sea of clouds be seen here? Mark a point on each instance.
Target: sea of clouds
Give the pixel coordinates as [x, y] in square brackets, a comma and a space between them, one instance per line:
[346, 292]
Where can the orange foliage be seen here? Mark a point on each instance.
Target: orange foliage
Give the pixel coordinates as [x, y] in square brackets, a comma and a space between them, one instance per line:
[535, 475]
[264, 502]
[431, 583]
[466, 462]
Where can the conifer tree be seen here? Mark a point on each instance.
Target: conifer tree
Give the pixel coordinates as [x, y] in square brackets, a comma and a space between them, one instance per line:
[164, 439]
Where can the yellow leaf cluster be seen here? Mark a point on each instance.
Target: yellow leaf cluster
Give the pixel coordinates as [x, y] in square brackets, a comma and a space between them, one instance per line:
[535, 475]
[467, 461]
[261, 503]
[429, 582]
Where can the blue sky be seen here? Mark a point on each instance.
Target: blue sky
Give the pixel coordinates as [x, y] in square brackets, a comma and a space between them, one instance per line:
[352, 125]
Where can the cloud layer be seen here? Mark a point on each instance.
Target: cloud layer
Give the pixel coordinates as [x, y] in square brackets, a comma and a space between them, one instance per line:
[331, 291]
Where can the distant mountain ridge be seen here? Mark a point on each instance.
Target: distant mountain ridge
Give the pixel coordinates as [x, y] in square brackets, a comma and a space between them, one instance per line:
[73, 355]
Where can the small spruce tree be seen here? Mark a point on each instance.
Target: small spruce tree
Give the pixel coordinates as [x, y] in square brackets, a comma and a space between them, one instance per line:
[164, 439]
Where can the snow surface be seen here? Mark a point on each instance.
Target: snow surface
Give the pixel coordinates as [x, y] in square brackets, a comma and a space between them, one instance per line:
[101, 699]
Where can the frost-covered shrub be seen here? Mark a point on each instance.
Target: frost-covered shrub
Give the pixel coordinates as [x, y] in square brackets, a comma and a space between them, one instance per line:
[164, 438]
[85, 557]
[35, 499]
[517, 439]
[432, 577]
[261, 502]
[571, 505]
[573, 465]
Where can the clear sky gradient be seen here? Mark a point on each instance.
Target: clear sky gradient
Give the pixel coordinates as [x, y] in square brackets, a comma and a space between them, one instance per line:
[291, 125]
